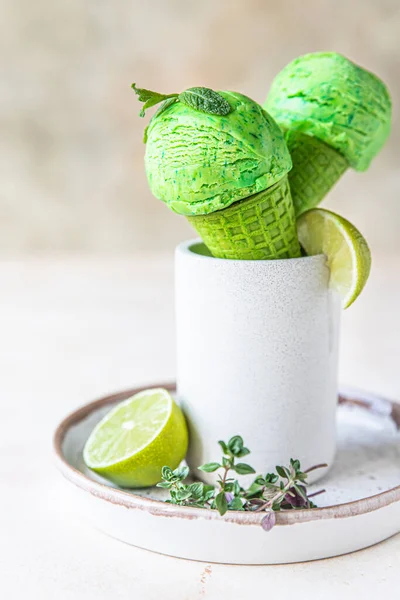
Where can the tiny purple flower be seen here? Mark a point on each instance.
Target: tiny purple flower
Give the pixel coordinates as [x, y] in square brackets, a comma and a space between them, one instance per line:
[229, 497]
[268, 521]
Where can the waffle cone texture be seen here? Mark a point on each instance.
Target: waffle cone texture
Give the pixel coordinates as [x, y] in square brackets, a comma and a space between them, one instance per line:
[316, 169]
[260, 227]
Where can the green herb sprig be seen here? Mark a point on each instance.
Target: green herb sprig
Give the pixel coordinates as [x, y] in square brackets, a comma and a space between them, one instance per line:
[150, 98]
[194, 494]
[200, 98]
[284, 489]
[229, 493]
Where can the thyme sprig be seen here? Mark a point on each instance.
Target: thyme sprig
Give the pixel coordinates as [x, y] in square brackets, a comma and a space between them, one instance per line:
[284, 489]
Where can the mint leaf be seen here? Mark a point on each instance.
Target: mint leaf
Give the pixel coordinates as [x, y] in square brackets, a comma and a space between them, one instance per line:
[205, 100]
[168, 102]
[150, 98]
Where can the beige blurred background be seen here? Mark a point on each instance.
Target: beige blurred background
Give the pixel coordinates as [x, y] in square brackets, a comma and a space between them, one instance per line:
[72, 176]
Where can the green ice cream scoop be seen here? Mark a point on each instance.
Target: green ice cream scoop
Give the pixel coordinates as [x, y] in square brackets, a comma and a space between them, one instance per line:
[225, 170]
[198, 162]
[334, 114]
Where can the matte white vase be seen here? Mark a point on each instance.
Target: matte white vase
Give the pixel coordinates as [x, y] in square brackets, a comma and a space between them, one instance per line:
[257, 346]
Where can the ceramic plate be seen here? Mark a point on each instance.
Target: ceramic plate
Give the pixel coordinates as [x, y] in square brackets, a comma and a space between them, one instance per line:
[361, 505]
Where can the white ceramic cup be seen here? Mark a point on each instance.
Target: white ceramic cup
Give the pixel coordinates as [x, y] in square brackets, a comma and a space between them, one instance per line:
[257, 356]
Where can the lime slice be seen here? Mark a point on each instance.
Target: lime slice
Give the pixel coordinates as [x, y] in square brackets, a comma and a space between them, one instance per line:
[349, 259]
[132, 443]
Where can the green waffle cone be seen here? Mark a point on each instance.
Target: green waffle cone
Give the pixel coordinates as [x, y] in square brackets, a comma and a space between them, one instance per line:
[316, 169]
[259, 227]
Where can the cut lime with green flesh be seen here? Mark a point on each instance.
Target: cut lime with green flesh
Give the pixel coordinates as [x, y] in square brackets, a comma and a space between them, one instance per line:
[132, 443]
[349, 259]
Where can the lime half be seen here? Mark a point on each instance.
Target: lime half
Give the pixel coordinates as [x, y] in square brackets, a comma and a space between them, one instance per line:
[132, 443]
[349, 259]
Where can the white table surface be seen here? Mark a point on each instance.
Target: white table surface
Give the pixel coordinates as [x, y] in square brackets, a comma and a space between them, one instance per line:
[75, 329]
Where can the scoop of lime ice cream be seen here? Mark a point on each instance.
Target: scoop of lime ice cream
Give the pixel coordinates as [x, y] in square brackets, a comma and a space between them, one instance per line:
[198, 163]
[327, 96]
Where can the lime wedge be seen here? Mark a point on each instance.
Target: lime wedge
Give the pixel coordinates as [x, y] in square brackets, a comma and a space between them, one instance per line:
[349, 259]
[132, 443]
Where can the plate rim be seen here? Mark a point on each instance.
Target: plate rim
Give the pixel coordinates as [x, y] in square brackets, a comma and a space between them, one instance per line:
[131, 500]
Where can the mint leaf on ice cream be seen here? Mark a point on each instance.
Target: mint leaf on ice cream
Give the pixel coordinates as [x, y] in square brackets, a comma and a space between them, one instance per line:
[199, 98]
[205, 100]
[149, 98]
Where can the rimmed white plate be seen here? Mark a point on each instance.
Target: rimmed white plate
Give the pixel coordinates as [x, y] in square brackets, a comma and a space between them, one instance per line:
[360, 507]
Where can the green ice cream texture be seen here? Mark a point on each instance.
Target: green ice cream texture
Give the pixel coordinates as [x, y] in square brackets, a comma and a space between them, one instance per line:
[199, 163]
[327, 96]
